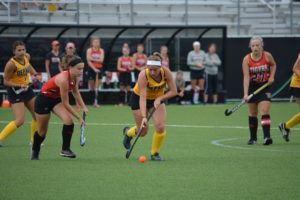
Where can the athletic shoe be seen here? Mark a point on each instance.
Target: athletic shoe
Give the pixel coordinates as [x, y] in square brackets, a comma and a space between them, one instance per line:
[251, 142]
[284, 131]
[1, 144]
[68, 153]
[95, 105]
[196, 102]
[268, 141]
[126, 138]
[156, 157]
[34, 155]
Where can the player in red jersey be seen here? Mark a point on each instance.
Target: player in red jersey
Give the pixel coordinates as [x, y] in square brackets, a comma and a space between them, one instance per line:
[259, 68]
[165, 58]
[54, 97]
[139, 60]
[125, 67]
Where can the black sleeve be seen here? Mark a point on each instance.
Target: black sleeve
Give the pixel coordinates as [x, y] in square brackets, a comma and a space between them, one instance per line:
[48, 56]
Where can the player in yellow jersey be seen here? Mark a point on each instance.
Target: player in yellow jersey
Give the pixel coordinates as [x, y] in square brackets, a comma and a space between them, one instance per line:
[295, 91]
[16, 78]
[148, 93]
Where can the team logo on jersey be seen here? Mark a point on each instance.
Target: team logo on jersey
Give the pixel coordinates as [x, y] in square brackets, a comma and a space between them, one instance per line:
[258, 69]
[23, 72]
[155, 88]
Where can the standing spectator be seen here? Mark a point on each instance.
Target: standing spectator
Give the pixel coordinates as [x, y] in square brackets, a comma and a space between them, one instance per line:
[95, 58]
[259, 68]
[125, 67]
[212, 62]
[180, 84]
[165, 58]
[139, 60]
[52, 60]
[195, 61]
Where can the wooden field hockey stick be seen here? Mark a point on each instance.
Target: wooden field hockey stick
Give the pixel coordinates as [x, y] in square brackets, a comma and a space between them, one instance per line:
[96, 88]
[139, 133]
[227, 113]
[82, 137]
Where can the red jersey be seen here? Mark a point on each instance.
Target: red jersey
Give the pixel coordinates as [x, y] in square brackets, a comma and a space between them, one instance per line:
[140, 61]
[259, 70]
[50, 89]
[165, 62]
[96, 55]
[126, 63]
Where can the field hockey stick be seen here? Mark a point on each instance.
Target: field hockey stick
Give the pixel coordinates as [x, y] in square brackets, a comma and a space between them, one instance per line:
[139, 133]
[22, 89]
[82, 138]
[96, 88]
[227, 113]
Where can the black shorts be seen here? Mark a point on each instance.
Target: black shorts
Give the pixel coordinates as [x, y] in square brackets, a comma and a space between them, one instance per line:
[125, 79]
[294, 92]
[92, 73]
[211, 82]
[22, 97]
[264, 95]
[44, 105]
[197, 74]
[134, 102]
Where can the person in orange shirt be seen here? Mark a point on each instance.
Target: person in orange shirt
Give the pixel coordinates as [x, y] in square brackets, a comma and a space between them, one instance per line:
[16, 78]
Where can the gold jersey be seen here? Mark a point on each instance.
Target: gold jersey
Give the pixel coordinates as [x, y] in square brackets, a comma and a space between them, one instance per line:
[154, 89]
[21, 74]
[295, 82]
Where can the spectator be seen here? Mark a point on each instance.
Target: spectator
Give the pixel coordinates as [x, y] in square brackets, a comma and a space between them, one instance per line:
[180, 84]
[52, 60]
[195, 61]
[165, 58]
[212, 62]
[139, 60]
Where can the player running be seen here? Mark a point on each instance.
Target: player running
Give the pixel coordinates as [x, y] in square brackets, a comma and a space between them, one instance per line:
[54, 97]
[259, 68]
[148, 93]
[16, 78]
[295, 91]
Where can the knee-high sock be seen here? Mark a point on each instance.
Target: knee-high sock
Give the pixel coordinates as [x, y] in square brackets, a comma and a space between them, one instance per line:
[293, 121]
[67, 133]
[157, 141]
[8, 130]
[253, 127]
[131, 132]
[36, 146]
[266, 124]
[34, 129]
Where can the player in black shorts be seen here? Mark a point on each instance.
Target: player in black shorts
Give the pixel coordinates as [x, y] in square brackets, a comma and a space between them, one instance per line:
[259, 68]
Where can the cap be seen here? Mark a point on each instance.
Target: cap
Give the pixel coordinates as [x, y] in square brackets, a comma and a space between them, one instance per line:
[196, 43]
[55, 43]
[70, 45]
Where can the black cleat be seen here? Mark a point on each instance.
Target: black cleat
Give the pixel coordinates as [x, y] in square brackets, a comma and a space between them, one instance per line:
[156, 157]
[268, 141]
[68, 153]
[126, 138]
[284, 131]
[251, 142]
[34, 155]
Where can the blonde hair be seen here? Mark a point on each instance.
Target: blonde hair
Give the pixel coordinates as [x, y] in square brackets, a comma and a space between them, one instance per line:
[155, 56]
[256, 38]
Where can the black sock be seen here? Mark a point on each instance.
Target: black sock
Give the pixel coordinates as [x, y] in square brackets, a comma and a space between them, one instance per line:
[253, 127]
[192, 92]
[67, 133]
[36, 146]
[266, 125]
[201, 95]
[92, 96]
[122, 97]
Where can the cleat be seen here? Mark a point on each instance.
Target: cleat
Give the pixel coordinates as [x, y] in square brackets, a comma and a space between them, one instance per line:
[67, 153]
[1, 144]
[95, 105]
[126, 138]
[268, 141]
[34, 155]
[156, 157]
[251, 142]
[284, 131]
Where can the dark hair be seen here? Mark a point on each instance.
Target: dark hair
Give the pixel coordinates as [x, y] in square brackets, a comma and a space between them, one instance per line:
[76, 60]
[155, 56]
[17, 43]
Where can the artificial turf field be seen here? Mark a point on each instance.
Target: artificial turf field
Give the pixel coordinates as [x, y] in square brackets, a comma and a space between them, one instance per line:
[206, 157]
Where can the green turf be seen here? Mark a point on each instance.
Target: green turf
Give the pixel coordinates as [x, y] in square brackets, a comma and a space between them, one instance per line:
[194, 168]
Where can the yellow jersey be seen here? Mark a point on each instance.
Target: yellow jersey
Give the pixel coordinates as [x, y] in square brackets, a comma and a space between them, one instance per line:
[295, 82]
[21, 74]
[154, 89]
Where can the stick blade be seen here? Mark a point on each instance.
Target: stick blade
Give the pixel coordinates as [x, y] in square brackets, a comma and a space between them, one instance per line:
[227, 113]
[127, 154]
